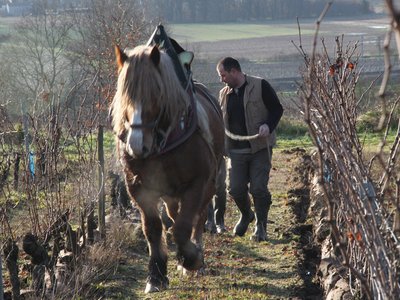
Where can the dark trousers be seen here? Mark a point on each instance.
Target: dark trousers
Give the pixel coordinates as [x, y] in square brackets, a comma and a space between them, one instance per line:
[249, 173]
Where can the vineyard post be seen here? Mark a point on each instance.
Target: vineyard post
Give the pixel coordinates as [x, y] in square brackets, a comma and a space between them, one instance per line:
[1, 280]
[101, 208]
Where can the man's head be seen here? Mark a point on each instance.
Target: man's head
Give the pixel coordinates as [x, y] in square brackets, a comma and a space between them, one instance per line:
[230, 72]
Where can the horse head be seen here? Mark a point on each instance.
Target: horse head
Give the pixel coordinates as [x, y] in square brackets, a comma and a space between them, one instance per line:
[149, 99]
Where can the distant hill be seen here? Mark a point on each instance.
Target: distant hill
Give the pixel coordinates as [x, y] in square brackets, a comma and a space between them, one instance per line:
[222, 11]
[377, 6]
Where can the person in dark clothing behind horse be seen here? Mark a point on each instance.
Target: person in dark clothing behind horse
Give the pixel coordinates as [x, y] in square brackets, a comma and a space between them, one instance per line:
[216, 209]
[250, 108]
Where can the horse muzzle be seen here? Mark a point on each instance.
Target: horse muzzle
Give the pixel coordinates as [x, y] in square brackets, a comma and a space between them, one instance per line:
[136, 146]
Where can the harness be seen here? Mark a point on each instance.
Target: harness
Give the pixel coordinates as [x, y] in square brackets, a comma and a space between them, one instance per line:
[185, 127]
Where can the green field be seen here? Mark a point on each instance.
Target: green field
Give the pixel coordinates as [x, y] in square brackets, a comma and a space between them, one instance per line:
[4, 29]
[230, 31]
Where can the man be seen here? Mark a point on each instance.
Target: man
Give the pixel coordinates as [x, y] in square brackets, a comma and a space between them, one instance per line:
[250, 107]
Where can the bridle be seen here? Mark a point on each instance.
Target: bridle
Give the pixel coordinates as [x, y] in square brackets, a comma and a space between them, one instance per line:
[151, 125]
[157, 133]
[165, 140]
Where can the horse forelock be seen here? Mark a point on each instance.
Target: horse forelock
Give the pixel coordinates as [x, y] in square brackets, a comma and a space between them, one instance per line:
[140, 81]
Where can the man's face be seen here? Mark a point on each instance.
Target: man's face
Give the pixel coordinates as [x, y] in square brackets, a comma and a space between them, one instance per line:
[229, 78]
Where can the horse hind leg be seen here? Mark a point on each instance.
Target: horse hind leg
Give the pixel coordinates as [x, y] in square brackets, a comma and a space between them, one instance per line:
[197, 235]
[169, 214]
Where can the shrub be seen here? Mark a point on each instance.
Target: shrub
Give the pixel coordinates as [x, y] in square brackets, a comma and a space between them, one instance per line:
[369, 121]
[291, 127]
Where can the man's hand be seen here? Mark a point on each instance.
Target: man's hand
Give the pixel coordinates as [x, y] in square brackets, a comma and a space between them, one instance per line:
[264, 130]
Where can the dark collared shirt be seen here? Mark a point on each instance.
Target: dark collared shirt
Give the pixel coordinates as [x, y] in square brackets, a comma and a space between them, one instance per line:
[236, 117]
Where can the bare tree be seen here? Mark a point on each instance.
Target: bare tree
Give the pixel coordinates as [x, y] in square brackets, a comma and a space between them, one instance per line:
[63, 75]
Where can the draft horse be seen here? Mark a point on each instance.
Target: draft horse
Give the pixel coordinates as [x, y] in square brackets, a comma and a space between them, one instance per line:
[170, 142]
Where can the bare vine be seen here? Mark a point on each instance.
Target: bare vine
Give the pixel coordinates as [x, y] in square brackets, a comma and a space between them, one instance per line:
[363, 213]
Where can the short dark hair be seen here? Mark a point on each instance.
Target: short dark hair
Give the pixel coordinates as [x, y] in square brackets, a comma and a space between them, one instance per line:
[230, 63]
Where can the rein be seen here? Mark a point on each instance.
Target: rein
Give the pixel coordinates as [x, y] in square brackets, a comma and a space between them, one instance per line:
[240, 137]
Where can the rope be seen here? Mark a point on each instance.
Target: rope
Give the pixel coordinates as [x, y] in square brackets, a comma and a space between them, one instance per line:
[241, 137]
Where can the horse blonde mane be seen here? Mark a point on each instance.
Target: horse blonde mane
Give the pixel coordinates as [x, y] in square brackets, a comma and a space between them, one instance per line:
[141, 81]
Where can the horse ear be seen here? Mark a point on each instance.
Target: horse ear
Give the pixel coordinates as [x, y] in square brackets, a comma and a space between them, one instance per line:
[120, 56]
[155, 55]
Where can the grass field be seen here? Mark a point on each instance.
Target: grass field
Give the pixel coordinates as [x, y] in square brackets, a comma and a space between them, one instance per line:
[229, 31]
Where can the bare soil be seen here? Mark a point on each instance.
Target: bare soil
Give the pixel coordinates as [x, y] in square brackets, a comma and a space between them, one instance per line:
[369, 31]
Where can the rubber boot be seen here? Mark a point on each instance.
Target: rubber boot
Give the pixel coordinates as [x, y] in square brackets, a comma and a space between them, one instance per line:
[247, 216]
[260, 230]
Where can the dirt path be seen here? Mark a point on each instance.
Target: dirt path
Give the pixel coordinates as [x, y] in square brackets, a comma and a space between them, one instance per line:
[237, 268]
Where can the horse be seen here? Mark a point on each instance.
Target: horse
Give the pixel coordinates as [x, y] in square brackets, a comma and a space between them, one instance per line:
[170, 141]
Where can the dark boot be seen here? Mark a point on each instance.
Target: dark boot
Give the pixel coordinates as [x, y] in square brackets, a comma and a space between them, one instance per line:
[219, 221]
[260, 231]
[262, 208]
[247, 216]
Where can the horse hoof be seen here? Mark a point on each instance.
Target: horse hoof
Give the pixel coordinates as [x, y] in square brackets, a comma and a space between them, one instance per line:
[190, 257]
[201, 271]
[182, 270]
[193, 264]
[153, 286]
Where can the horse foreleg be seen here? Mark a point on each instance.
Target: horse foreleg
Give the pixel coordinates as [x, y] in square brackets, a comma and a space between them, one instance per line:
[153, 231]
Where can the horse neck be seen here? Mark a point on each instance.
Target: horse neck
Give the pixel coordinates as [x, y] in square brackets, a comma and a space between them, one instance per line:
[177, 105]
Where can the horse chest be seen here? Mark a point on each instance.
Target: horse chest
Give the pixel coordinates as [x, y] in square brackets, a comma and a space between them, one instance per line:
[167, 178]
